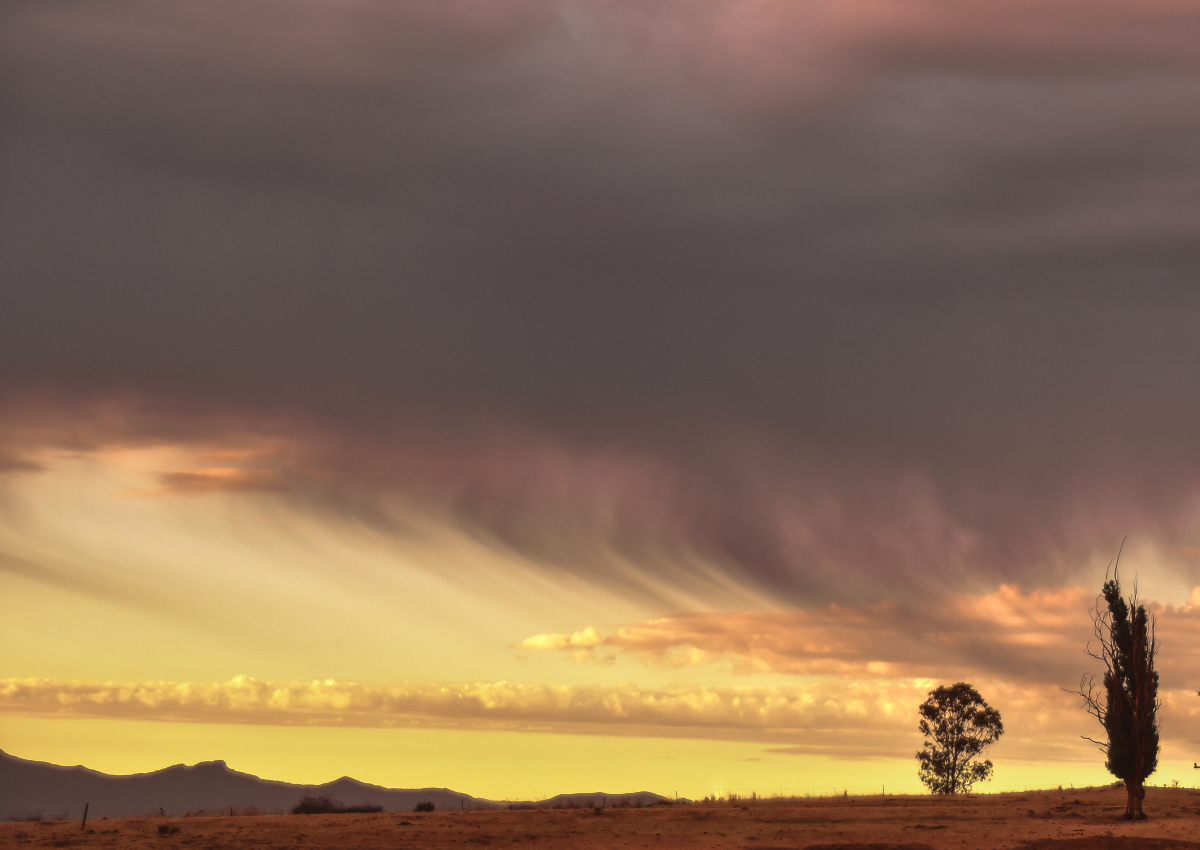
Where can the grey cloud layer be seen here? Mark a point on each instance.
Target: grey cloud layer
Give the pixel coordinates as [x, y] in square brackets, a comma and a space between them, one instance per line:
[924, 273]
[829, 215]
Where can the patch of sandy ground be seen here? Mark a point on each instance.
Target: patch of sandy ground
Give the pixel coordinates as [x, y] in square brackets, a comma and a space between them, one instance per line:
[1085, 819]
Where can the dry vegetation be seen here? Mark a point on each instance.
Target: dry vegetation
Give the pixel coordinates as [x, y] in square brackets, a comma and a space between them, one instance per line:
[1085, 819]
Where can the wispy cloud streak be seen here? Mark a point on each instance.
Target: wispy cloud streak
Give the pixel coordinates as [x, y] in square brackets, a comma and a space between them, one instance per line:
[730, 517]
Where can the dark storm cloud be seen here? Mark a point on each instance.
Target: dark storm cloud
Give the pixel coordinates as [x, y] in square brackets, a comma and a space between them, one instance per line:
[812, 292]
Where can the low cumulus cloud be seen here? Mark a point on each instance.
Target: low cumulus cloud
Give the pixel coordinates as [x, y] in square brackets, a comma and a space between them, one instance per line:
[707, 711]
[583, 639]
[870, 719]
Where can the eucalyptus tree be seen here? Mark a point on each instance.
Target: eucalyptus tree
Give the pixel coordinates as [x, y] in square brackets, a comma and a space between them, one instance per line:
[959, 725]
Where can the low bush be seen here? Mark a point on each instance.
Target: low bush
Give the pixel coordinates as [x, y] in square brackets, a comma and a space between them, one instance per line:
[323, 805]
[311, 804]
[423, 806]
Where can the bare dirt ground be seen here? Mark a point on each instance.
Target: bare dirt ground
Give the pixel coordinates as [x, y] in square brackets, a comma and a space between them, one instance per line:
[1083, 819]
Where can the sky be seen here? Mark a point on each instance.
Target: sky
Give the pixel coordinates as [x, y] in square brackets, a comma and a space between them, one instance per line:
[548, 396]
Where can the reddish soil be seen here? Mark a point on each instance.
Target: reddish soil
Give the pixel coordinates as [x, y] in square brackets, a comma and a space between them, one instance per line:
[1042, 820]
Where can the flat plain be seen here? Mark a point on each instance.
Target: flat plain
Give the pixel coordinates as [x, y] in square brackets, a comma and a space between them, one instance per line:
[1086, 819]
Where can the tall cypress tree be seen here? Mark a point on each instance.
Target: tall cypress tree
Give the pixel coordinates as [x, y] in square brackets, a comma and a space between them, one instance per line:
[1128, 706]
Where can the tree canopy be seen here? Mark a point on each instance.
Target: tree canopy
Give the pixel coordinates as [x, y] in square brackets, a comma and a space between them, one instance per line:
[1127, 707]
[960, 725]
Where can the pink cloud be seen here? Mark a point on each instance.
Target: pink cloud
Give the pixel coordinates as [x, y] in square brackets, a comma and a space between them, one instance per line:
[1011, 634]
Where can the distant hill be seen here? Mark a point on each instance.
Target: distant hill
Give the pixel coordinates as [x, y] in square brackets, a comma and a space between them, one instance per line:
[37, 788]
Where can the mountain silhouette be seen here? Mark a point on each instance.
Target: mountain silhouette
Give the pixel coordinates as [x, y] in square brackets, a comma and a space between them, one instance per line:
[30, 788]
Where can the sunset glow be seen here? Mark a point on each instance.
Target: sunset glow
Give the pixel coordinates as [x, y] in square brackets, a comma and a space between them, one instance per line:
[538, 397]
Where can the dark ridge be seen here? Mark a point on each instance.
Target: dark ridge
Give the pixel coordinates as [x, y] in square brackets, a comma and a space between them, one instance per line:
[213, 788]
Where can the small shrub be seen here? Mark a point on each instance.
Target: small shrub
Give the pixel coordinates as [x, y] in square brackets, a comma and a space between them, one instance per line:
[423, 806]
[324, 805]
[167, 829]
[311, 804]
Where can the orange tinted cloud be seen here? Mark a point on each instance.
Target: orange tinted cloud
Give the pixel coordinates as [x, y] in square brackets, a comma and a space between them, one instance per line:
[1029, 636]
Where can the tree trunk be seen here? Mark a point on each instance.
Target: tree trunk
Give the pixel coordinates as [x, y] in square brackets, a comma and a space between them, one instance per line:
[1135, 793]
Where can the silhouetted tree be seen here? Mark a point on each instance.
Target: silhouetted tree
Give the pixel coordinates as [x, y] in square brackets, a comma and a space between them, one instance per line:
[960, 725]
[1127, 707]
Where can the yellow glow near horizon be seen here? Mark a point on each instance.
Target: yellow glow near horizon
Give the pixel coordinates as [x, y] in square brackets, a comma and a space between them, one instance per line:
[505, 765]
[117, 578]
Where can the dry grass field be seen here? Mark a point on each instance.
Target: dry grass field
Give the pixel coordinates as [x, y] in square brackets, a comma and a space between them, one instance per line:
[1040, 820]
